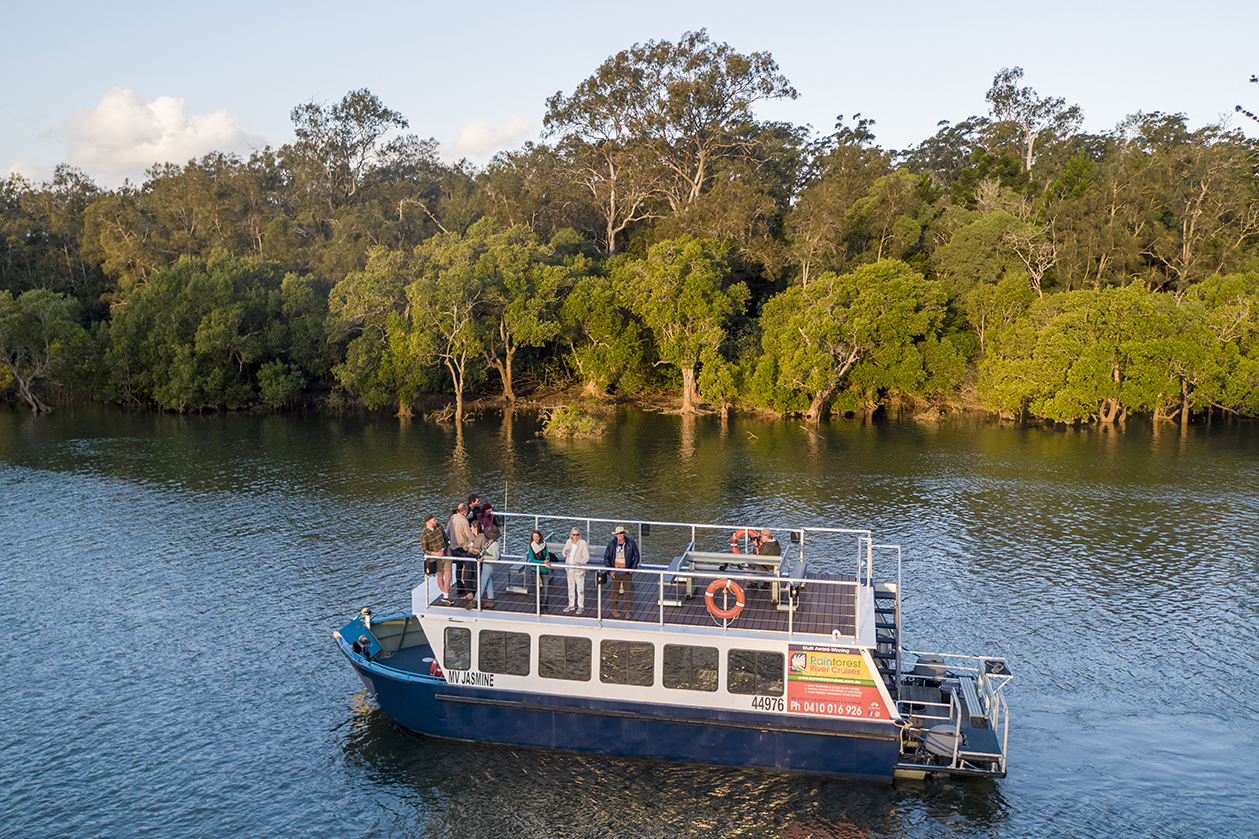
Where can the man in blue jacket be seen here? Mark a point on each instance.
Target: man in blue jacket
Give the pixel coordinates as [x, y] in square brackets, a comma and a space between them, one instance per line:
[621, 556]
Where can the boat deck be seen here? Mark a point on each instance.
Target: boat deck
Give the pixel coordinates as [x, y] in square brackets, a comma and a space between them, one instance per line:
[825, 604]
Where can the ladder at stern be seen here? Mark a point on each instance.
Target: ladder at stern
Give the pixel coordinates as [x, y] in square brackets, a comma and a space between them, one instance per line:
[887, 621]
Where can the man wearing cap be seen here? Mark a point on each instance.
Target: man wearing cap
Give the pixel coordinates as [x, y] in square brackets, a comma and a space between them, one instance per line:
[769, 545]
[433, 541]
[621, 556]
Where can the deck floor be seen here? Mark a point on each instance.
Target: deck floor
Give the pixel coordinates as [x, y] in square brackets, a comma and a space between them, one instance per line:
[824, 607]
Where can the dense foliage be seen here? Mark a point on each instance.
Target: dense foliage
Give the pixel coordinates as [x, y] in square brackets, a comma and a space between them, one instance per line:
[661, 238]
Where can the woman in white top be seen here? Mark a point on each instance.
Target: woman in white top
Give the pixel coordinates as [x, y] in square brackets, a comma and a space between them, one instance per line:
[576, 552]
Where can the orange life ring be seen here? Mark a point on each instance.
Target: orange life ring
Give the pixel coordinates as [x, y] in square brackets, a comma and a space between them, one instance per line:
[733, 588]
[745, 533]
[435, 669]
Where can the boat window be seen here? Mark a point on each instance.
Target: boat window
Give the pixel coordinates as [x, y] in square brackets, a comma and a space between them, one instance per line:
[690, 668]
[504, 652]
[755, 672]
[457, 651]
[627, 663]
[564, 657]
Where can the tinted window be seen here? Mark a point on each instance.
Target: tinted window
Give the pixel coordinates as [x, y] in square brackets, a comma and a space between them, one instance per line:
[755, 672]
[564, 657]
[627, 663]
[690, 668]
[458, 649]
[503, 652]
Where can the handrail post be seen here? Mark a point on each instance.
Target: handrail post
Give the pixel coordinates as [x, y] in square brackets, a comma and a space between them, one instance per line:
[660, 596]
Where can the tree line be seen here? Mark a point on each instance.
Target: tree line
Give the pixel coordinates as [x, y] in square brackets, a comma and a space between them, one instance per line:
[658, 237]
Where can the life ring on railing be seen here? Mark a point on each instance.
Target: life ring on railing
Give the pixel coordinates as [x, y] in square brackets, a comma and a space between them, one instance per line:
[435, 670]
[746, 533]
[717, 611]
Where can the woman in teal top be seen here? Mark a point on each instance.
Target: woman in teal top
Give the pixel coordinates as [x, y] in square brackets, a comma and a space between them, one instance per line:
[540, 558]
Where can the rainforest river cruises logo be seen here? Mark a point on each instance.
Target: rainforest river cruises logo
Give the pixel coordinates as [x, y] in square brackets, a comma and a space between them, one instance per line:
[833, 682]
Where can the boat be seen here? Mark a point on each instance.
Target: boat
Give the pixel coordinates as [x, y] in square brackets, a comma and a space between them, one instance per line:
[789, 662]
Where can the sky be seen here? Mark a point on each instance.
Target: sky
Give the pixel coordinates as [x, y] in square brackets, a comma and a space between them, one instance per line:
[115, 88]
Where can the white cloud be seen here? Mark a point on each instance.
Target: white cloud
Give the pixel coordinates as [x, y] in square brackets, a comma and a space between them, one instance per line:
[30, 169]
[126, 135]
[480, 140]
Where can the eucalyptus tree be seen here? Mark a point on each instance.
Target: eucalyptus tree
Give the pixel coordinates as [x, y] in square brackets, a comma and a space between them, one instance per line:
[1032, 115]
[657, 119]
[43, 239]
[530, 186]
[340, 141]
[446, 300]
[678, 292]
[841, 169]
[1202, 211]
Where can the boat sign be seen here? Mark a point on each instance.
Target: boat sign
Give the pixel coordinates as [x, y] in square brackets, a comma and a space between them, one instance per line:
[833, 682]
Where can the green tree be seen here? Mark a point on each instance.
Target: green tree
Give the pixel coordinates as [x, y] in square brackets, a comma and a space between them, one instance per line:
[341, 141]
[1098, 355]
[658, 118]
[197, 334]
[447, 300]
[370, 309]
[677, 291]
[865, 328]
[607, 345]
[1033, 115]
[523, 290]
[40, 340]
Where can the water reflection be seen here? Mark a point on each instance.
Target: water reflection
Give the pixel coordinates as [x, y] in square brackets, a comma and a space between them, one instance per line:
[187, 572]
[461, 789]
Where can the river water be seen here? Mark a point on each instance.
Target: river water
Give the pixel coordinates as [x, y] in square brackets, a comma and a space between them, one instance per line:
[171, 585]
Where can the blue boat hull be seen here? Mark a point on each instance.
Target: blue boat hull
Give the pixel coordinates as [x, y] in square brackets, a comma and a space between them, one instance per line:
[431, 706]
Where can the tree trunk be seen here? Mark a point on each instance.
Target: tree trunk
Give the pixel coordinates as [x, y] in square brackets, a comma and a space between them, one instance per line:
[814, 414]
[37, 404]
[1107, 411]
[509, 393]
[689, 397]
[404, 410]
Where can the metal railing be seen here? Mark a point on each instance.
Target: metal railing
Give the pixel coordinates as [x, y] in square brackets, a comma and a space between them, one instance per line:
[799, 538]
[671, 605]
[990, 675]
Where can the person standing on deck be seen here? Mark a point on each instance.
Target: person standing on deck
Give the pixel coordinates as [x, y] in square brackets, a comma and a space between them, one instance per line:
[487, 516]
[576, 552]
[539, 559]
[769, 545]
[433, 542]
[621, 556]
[459, 535]
[485, 572]
[475, 546]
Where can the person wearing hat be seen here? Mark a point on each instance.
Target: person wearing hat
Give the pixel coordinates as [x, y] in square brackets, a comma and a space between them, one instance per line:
[621, 556]
[769, 545]
[433, 542]
[486, 516]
